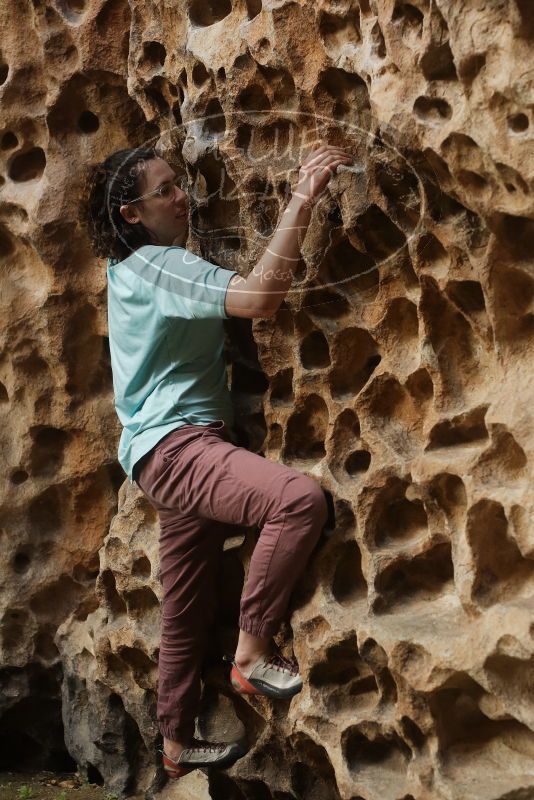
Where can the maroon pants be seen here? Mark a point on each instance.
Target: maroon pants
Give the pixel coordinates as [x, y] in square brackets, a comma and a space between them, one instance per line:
[200, 483]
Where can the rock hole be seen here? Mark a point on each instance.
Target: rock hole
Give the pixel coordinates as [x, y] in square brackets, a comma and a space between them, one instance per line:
[253, 98]
[448, 491]
[155, 94]
[518, 123]
[345, 456]
[139, 601]
[513, 180]
[409, 18]
[378, 45]
[500, 569]
[282, 387]
[452, 339]
[389, 753]
[314, 351]
[306, 429]
[357, 462]
[470, 66]
[176, 113]
[464, 429]
[44, 511]
[106, 583]
[18, 476]
[56, 600]
[345, 87]
[282, 87]
[420, 386]
[93, 775]
[401, 190]
[27, 166]
[341, 664]
[208, 12]
[517, 235]
[72, 10]
[142, 567]
[88, 122]
[6, 242]
[422, 577]
[380, 235]
[214, 119]
[401, 521]
[468, 296]
[414, 735]
[459, 720]
[352, 270]
[143, 668]
[154, 54]
[253, 8]
[437, 63]
[247, 380]
[348, 582]
[472, 180]
[432, 109]
[355, 358]
[337, 31]
[12, 627]
[44, 646]
[9, 141]
[4, 72]
[200, 74]
[523, 10]
[326, 303]
[47, 452]
[21, 562]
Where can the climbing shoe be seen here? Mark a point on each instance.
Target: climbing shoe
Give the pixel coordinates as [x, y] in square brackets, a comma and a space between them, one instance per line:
[202, 754]
[272, 675]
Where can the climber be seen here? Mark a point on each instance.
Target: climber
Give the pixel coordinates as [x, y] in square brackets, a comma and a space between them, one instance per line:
[178, 443]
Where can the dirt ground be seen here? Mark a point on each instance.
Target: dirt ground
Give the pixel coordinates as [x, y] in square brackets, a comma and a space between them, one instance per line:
[49, 786]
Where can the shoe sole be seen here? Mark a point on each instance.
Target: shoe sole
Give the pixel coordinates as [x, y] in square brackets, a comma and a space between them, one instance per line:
[254, 687]
[187, 766]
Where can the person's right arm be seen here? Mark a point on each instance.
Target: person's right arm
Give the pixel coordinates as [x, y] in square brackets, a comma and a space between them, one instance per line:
[261, 293]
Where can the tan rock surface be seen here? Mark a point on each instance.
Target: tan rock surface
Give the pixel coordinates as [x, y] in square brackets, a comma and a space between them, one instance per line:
[398, 373]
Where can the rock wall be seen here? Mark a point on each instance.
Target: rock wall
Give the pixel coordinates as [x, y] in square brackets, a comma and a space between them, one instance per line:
[396, 373]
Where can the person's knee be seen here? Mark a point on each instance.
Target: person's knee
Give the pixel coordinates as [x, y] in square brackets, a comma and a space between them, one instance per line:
[313, 499]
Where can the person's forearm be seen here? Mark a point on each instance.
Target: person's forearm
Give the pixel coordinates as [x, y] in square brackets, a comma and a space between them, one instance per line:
[271, 277]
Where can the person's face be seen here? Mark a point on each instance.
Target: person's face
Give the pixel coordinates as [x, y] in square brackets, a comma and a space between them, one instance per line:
[166, 218]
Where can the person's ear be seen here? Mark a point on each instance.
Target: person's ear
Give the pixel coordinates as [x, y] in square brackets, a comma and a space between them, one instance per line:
[130, 214]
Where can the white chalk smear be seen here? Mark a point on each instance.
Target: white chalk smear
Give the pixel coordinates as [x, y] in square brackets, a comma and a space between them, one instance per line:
[349, 168]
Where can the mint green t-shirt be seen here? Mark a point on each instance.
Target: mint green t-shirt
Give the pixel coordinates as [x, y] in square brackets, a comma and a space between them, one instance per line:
[166, 336]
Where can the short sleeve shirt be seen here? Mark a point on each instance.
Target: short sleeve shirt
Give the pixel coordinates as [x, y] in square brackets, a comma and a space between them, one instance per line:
[166, 336]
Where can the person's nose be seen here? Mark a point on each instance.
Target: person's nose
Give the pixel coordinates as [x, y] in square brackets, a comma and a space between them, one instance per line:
[180, 198]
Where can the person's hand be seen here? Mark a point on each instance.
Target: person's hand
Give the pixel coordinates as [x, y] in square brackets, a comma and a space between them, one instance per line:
[317, 169]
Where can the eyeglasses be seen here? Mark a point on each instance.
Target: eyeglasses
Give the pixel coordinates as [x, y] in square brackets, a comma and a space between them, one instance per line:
[165, 191]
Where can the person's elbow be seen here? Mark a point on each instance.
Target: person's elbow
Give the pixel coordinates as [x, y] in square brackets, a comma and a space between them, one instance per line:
[242, 302]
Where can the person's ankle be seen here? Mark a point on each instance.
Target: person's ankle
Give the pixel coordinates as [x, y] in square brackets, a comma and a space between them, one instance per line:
[173, 748]
[249, 659]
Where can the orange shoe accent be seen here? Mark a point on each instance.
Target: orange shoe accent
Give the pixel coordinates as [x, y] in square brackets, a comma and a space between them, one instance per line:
[172, 770]
[240, 683]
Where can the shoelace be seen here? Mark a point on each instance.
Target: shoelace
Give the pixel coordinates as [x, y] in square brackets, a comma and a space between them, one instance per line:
[283, 664]
[207, 747]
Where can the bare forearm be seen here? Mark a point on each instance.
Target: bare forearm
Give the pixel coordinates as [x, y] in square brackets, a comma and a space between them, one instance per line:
[262, 291]
[271, 277]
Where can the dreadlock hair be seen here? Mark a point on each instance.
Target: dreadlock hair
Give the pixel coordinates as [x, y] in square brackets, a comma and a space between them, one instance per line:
[108, 185]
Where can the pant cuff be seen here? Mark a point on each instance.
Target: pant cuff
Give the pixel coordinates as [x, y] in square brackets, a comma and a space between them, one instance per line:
[256, 628]
[175, 734]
